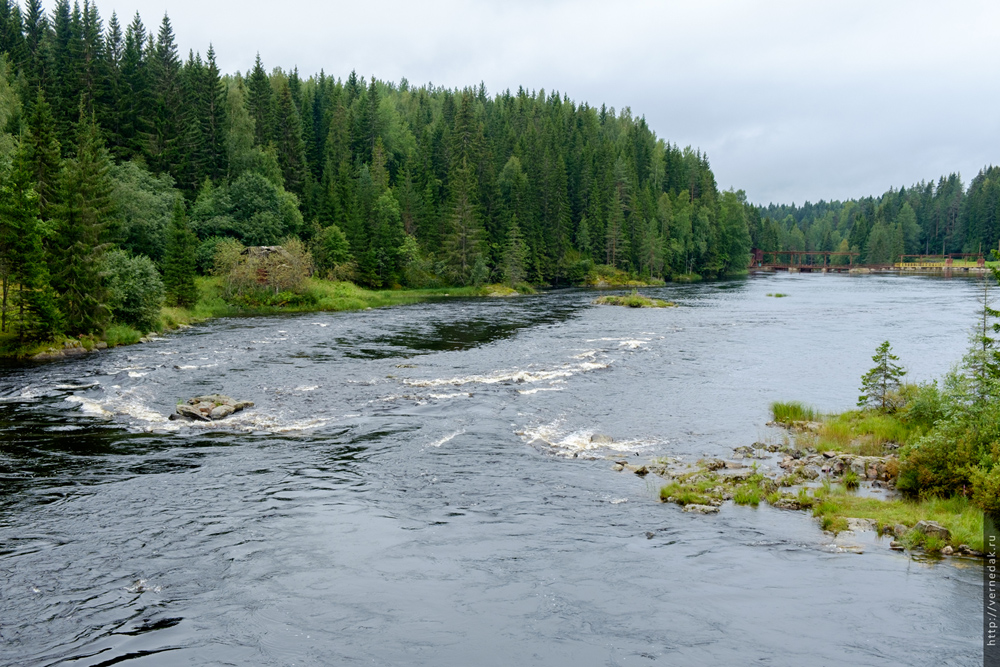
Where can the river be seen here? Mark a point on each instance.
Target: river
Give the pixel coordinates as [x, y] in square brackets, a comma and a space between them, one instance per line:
[388, 502]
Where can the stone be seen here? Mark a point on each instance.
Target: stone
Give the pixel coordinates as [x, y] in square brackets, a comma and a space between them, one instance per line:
[787, 504]
[101, 345]
[947, 551]
[701, 509]
[192, 413]
[601, 439]
[861, 524]
[641, 471]
[896, 546]
[829, 454]
[242, 405]
[899, 530]
[715, 464]
[222, 411]
[933, 528]
[618, 467]
[215, 399]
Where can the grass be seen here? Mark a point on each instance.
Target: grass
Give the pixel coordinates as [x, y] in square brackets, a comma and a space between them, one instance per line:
[864, 433]
[834, 505]
[778, 295]
[633, 300]
[792, 411]
[318, 295]
[851, 480]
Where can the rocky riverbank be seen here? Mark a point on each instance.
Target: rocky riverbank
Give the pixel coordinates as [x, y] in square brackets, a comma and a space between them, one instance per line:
[847, 493]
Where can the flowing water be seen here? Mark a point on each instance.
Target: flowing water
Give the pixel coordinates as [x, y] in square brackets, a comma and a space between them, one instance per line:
[417, 486]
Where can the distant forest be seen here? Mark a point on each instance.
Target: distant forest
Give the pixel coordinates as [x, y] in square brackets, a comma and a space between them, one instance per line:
[388, 184]
[927, 219]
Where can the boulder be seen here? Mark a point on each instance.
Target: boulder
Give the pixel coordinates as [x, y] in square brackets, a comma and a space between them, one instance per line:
[221, 411]
[601, 439]
[192, 413]
[947, 551]
[211, 407]
[933, 528]
[896, 546]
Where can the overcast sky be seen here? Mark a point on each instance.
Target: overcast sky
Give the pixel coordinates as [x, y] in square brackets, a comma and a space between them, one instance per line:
[791, 100]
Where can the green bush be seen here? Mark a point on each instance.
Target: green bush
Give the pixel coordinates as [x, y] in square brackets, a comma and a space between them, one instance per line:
[135, 289]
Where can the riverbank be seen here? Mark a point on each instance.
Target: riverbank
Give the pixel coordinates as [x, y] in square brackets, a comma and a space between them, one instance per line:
[318, 296]
[842, 468]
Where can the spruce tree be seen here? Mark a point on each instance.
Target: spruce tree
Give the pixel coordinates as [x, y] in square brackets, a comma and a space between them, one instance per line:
[33, 306]
[463, 244]
[41, 153]
[164, 135]
[80, 215]
[180, 260]
[260, 103]
[515, 256]
[880, 384]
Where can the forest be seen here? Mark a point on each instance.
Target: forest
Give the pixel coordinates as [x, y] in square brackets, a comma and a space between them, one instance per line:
[125, 168]
[926, 219]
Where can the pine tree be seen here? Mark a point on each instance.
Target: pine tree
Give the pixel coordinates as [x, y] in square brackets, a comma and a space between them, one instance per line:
[879, 386]
[179, 263]
[80, 215]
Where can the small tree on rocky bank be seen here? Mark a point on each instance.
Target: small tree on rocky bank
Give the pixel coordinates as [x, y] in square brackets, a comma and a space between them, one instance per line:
[880, 386]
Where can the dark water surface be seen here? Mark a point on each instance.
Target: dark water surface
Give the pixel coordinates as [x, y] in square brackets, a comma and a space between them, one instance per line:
[382, 503]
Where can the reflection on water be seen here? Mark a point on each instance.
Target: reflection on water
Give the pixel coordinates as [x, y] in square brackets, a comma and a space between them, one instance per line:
[430, 484]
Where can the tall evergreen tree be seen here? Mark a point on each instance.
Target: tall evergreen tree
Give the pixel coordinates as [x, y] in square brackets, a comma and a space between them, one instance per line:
[41, 154]
[180, 261]
[260, 103]
[81, 214]
[164, 134]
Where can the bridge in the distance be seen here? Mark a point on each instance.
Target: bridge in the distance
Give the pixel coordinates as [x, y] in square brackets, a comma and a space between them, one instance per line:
[817, 261]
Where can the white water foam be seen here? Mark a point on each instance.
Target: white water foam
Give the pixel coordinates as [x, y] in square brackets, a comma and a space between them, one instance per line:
[89, 407]
[528, 392]
[516, 376]
[578, 444]
[447, 438]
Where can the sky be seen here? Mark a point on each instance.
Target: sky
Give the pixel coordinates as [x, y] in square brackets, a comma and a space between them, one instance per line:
[792, 101]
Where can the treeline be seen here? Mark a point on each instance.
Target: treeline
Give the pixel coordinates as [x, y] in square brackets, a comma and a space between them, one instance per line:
[928, 218]
[106, 128]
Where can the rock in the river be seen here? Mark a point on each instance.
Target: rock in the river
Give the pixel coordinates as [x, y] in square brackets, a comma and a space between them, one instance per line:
[947, 551]
[601, 439]
[701, 509]
[192, 413]
[933, 528]
[211, 407]
[896, 546]
[222, 411]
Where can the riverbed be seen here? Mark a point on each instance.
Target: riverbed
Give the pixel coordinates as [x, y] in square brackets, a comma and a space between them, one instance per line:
[417, 485]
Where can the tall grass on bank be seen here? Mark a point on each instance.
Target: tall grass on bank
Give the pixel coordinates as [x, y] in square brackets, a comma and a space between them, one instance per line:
[792, 411]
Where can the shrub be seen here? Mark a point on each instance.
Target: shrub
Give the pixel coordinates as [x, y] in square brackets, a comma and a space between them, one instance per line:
[135, 289]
